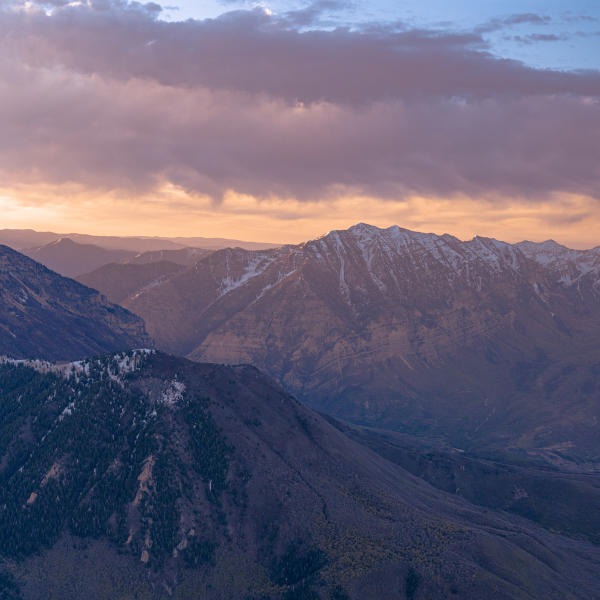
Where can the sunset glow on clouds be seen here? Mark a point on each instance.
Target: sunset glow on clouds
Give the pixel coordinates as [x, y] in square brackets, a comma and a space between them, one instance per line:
[250, 125]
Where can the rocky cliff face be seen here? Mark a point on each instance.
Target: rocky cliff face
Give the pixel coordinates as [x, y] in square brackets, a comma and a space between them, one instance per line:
[44, 315]
[142, 475]
[480, 341]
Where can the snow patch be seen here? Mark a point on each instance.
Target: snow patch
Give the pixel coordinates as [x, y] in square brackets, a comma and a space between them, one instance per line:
[281, 277]
[569, 265]
[67, 411]
[256, 265]
[173, 393]
[154, 283]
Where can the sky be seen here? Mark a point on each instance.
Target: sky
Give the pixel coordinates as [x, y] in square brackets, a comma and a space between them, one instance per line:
[279, 121]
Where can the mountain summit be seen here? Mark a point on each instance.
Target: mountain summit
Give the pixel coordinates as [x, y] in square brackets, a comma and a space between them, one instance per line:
[477, 342]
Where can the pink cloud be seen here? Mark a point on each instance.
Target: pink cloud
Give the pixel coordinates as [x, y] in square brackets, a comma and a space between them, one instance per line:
[113, 98]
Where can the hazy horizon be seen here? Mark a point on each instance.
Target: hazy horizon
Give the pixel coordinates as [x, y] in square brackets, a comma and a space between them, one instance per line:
[209, 236]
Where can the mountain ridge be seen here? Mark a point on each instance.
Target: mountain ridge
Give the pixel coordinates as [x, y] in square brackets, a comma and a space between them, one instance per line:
[396, 328]
[21, 239]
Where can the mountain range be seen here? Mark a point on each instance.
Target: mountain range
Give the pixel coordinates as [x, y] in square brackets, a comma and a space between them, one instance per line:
[21, 239]
[485, 345]
[73, 259]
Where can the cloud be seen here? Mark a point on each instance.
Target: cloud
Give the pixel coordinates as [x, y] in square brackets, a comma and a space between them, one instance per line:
[545, 37]
[570, 18]
[499, 23]
[111, 98]
[529, 18]
[253, 52]
[533, 38]
[314, 12]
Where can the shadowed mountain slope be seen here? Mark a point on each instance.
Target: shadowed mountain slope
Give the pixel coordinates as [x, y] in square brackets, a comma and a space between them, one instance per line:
[45, 315]
[143, 475]
[568, 503]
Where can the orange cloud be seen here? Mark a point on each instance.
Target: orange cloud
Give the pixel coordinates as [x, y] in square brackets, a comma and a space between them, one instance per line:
[171, 211]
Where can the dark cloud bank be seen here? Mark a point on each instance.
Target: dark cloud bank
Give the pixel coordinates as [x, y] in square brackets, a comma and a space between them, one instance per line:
[111, 97]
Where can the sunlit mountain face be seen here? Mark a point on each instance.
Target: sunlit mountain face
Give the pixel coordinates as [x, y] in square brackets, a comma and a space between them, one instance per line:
[486, 345]
[299, 300]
